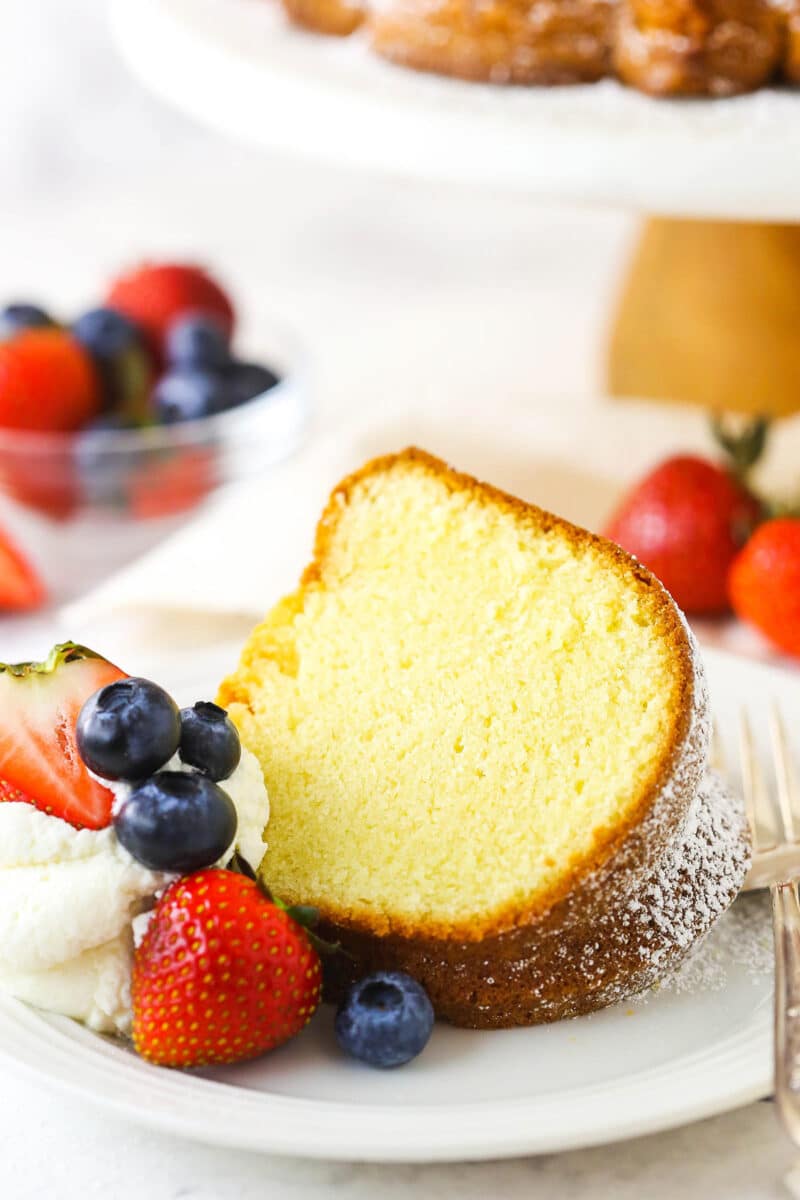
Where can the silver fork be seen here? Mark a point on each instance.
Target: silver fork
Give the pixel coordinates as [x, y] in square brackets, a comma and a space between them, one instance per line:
[774, 816]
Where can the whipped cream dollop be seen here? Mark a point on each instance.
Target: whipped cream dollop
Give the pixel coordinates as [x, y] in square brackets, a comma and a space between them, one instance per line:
[68, 898]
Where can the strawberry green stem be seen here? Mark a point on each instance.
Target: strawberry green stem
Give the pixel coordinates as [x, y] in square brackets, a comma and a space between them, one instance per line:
[65, 652]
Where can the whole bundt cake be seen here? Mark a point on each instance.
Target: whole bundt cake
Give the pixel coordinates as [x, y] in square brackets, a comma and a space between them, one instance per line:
[484, 735]
[663, 47]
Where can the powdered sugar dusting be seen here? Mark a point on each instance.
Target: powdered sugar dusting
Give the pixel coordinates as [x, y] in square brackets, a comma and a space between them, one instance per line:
[694, 755]
[693, 884]
[690, 888]
[741, 941]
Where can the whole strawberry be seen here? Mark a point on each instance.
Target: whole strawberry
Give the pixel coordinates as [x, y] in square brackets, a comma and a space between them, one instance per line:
[222, 974]
[156, 294]
[47, 382]
[686, 521]
[765, 582]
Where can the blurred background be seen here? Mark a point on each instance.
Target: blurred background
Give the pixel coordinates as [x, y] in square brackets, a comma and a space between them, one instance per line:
[407, 291]
[471, 304]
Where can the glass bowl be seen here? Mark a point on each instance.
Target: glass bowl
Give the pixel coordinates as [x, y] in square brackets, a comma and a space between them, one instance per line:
[79, 506]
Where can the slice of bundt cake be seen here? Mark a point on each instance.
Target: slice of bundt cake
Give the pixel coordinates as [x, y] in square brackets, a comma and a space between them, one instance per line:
[483, 732]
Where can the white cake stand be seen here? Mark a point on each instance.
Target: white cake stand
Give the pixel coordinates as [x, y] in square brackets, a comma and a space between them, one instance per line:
[237, 66]
[711, 313]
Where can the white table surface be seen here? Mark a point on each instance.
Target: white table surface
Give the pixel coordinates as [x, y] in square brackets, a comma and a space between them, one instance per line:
[464, 302]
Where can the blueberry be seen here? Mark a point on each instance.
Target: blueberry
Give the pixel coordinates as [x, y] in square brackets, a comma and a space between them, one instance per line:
[248, 380]
[121, 357]
[209, 740]
[106, 333]
[128, 730]
[177, 822]
[197, 340]
[189, 393]
[385, 1019]
[16, 317]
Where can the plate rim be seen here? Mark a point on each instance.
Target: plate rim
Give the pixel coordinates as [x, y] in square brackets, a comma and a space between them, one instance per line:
[476, 1131]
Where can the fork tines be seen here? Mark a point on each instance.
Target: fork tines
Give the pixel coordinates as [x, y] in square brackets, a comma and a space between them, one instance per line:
[774, 815]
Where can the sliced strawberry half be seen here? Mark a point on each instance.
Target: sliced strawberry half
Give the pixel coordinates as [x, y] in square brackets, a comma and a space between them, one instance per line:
[12, 795]
[39, 707]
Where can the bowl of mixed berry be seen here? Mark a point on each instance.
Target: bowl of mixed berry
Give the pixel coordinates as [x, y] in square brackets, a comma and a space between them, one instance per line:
[117, 423]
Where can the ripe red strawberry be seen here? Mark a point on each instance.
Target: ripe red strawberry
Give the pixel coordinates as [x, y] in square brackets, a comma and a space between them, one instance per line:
[21, 588]
[154, 294]
[222, 974]
[765, 582]
[686, 521]
[47, 382]
[39, 706]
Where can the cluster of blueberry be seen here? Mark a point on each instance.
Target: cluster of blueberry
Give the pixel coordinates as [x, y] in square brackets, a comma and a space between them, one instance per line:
[157, 351]
[169, 820]
[202, 378]
[183, 821]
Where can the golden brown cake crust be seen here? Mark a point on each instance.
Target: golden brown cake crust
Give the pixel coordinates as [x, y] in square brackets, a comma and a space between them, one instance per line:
[337, 18]
[698, 47]
[535, 42]
[792, 60]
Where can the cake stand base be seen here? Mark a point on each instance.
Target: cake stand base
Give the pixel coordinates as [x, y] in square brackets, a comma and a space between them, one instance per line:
[710, 315]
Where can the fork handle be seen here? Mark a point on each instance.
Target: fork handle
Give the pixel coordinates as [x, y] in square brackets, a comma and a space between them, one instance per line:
[786, 928]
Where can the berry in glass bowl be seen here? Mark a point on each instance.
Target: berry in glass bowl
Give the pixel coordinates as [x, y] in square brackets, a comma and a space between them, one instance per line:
[117, 425]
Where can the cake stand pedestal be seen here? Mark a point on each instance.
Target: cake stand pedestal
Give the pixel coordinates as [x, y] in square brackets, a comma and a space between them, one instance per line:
[710, 311]
[710, 315]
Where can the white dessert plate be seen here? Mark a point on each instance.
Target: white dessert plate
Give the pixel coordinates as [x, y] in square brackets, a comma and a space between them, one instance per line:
[693, 1048]
[237, 66]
